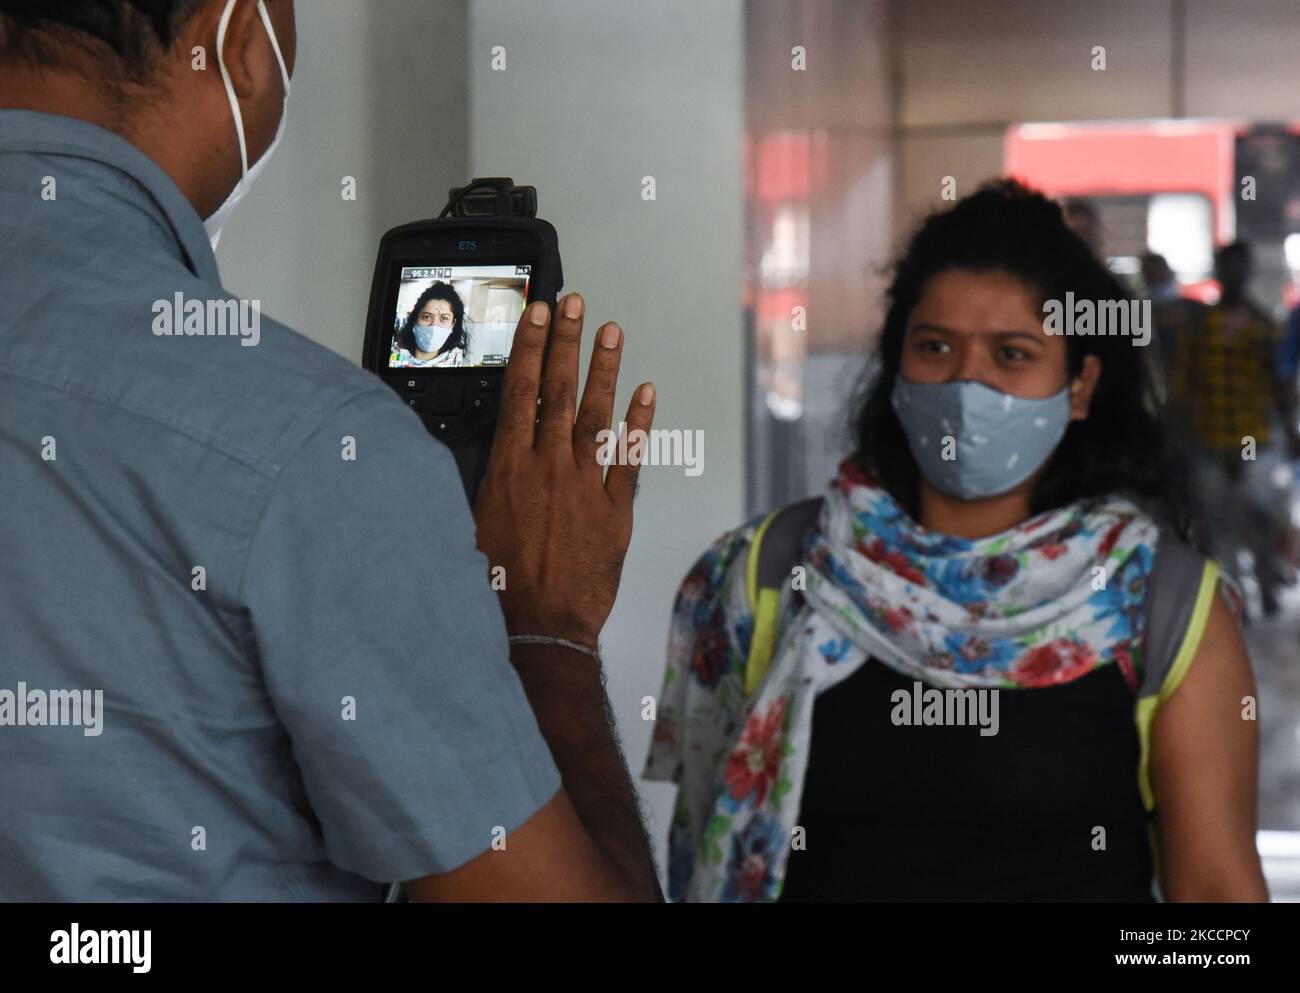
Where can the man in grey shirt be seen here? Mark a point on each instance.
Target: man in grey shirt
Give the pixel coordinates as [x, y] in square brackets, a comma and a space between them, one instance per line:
[232, 665]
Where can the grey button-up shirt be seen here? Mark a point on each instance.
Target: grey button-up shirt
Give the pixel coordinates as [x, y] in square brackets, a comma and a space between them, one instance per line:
[248, 650]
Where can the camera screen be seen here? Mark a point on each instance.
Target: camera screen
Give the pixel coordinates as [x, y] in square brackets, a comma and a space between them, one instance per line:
[458, 316]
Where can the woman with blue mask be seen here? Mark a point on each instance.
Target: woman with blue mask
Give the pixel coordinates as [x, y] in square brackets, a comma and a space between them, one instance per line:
[986, 664]
[433, 334]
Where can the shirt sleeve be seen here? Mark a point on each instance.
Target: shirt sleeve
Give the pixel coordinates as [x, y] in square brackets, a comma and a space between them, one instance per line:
[384, 651]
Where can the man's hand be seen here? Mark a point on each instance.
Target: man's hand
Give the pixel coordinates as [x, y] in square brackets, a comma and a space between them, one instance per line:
[546, 510]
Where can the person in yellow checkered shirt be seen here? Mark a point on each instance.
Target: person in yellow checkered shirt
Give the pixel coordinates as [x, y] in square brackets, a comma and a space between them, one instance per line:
[1227, 397]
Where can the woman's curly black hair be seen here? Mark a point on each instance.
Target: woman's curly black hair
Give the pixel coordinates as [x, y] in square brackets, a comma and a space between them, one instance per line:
[1122, 447]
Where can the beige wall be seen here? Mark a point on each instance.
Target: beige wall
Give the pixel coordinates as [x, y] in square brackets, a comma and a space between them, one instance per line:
[1243, 59]
[990, 61]
[968, 68]
[842, 99]
[295, 243]
[597, 94]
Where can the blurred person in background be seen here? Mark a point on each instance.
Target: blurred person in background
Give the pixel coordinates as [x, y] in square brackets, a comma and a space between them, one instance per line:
[1084, 220]
[1288, 365]
[1158, 280]
[1226, 389]
[1170, 314]
[1288, 369]
[1042, 571]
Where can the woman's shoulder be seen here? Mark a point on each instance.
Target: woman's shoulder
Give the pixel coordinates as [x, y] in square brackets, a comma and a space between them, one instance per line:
[721, 565]
[1182, 589]
[1183, 567]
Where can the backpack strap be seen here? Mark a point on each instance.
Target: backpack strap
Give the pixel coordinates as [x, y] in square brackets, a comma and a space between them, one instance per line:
[1177, 574]
[1180, 592]
[776, 549]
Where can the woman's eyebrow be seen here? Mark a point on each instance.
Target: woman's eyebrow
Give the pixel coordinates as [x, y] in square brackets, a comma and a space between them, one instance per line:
[1037, 339]
[1010, 333]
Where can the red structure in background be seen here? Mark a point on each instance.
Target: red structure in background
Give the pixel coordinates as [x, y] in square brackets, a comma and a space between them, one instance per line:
[1130, 158]
[1134, 158]
[1063, 160]
[782, 168]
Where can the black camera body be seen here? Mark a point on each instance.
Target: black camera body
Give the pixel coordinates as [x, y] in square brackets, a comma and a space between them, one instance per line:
[446, 297]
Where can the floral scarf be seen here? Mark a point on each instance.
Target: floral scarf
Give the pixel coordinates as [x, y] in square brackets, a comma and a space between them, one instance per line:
[1040, 604]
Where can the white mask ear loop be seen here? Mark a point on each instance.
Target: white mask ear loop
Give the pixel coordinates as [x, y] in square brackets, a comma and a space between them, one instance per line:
[230, 89]
[214, 223]
[225, 75]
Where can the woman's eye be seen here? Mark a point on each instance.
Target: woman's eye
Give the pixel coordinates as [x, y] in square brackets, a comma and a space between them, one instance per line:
[1014, 354]
[932, 345]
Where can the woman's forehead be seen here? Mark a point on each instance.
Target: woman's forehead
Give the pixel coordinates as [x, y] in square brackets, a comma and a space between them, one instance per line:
[977, 301]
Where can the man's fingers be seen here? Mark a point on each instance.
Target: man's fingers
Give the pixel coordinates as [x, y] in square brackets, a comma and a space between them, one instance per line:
[620, 483]
[518, 416]
[560, 376]
[597, 405]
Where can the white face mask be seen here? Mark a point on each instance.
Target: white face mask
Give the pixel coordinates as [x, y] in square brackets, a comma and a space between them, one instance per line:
[214, 223]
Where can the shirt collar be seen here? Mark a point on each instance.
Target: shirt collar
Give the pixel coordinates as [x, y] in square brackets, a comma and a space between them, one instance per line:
[31, 132]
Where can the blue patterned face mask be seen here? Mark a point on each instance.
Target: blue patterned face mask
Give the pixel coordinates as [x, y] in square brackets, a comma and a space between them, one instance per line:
[972, 441]
[426, 335]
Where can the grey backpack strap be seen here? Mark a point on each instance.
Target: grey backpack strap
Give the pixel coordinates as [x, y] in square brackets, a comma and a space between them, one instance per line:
[1172, 589]
[783, 542]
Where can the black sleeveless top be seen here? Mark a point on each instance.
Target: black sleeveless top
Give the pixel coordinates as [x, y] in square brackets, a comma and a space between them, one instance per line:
[941, 813]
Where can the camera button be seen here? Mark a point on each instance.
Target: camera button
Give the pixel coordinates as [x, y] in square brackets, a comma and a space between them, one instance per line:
[447, 398]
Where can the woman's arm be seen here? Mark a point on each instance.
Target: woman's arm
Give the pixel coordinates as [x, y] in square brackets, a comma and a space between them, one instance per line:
[1204, 767]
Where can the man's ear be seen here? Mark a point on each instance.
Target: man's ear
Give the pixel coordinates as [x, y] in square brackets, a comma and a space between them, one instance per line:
[1083, 386]
[254, 72]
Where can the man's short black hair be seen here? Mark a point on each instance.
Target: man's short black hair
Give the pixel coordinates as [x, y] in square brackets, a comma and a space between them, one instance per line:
[1235, 251]
[71, 35]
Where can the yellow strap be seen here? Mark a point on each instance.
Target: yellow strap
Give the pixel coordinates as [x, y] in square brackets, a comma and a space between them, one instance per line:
[764, 604]
[1149, 706]
[751, 563]
[763, 642]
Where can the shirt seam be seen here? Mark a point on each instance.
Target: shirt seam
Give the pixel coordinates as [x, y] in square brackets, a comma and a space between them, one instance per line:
[263, 467]
[82, 147]
[247, 552]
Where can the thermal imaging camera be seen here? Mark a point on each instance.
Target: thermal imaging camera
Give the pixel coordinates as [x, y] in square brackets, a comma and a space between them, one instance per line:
[446, 298]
